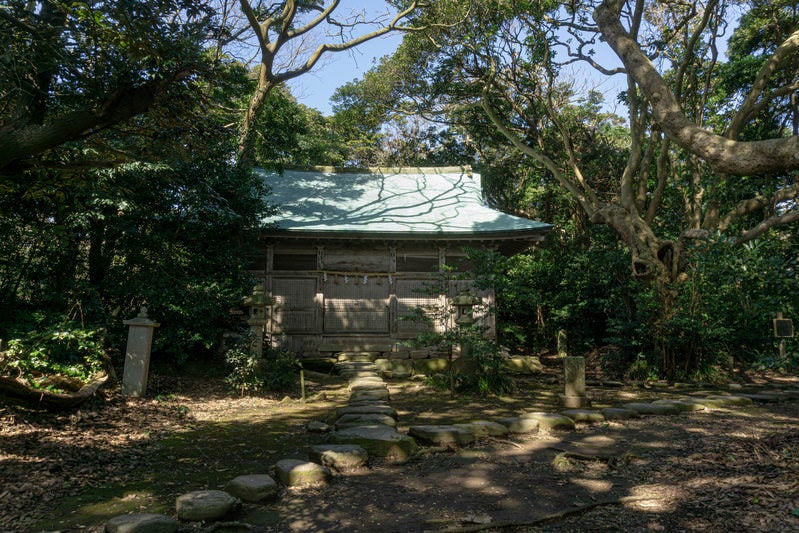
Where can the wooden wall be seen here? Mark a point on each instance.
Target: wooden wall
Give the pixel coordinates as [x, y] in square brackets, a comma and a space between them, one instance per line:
[354, 295]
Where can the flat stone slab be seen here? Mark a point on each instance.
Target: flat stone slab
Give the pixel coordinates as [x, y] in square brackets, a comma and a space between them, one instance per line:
[339, 457]
[297, 473]
[369, 419]
[619, 413]
[762, 397]
[698, 403]
[141, 523]
[205, 505]
[551, 421]
[732, 399]
[679, 404]
[587, 416]
[252, 488]
[378, 441]
[315, 426]
[369, 387]
[363, 395]
[442, 435]
[652, 408]
[367, 381]
[373, 409]
[516, 424]
[485, 428]
[357, 357]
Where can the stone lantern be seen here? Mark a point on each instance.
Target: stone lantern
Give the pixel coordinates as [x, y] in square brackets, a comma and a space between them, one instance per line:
[258, 301]
[464, 315]
[464, 308]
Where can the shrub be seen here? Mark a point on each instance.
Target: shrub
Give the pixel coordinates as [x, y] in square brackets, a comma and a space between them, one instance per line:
[277, 370]
[67, 349]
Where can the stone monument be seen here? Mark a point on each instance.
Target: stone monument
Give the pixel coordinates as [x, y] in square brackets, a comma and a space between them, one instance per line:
[137, 354]
[574, 374]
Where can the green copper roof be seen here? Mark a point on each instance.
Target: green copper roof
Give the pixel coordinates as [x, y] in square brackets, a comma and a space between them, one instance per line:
[423, 201]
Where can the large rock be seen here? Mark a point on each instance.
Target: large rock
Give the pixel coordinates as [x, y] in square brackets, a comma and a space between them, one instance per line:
[429, 367]
[523, 365]
[252, 488]
[652, 408]
[339, 457]
[732, 400]
[141, 523]
[679, 404]
[587, 416]
[485, 428]
[297, 473]
[205, 505]
[442, 435]
[551, 421]
[619, 413]
[396, 368]
[370, 419]
[516, 424]
[379, 441]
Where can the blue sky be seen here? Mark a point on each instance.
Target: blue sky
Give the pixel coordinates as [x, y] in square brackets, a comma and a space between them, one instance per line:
[334, 70]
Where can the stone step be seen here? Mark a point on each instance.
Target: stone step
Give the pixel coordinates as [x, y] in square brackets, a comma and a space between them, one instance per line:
[339, 457]
[442, 435]
[379, 441]
[296, 473]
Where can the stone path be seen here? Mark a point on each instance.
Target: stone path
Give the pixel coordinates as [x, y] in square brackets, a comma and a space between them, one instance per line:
[367, 426]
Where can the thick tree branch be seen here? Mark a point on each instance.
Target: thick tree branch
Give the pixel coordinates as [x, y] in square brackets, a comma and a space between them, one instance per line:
[748, 107]
[766, 225]
[20, 143]
[751, 205]
[722, 154]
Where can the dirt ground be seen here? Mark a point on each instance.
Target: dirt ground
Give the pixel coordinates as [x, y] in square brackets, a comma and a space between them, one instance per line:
[721, 470]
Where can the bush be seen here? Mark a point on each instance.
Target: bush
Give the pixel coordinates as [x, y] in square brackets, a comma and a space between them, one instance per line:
[68, 350]
[277, 370]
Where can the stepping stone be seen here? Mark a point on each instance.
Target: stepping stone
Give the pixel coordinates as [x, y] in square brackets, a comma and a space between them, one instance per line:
[367, 381]
[357, 357]
[762, 397]
[485, 428]
[372, 409]
[353, 420]
[679, 404]
[205, 505]
[652, 408]
[441, 435]
[339, 457]
[141, 523]
[315, 426]
[297, 473]
[698, 404]
[732, 399]
[365, 403]
[551, 421]
[378, 441]
[517, 424]
[619, 413]
[363, 395]
[369, 387]
[252, 488]
[588, 416]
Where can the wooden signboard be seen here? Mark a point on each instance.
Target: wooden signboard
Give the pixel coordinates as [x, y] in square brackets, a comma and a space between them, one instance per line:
[783, 328]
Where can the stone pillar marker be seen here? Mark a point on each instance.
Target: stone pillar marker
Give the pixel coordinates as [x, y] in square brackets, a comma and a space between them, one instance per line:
[137, 354]
[574, 373]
